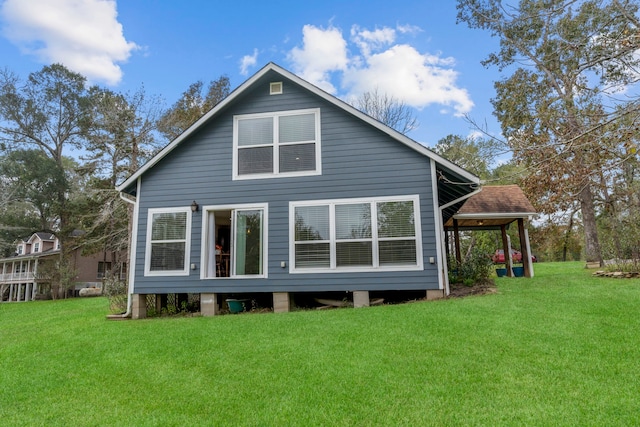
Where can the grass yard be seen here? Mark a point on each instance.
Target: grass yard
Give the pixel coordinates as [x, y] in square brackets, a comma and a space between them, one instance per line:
[560, 349]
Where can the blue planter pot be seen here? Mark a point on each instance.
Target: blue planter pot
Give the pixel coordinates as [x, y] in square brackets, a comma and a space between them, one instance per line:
[518, 271]
[501, 272]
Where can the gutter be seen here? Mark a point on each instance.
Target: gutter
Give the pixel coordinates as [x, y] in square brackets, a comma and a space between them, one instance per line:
[444, 258]
[440, 228]
[127, 313]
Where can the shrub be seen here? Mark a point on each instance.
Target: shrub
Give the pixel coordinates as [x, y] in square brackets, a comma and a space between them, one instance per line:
[116, 290]
[476, 267]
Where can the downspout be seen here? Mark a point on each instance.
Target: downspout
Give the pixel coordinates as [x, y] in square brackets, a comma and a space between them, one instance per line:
[132, 256]
[442, 272]
[444, 259]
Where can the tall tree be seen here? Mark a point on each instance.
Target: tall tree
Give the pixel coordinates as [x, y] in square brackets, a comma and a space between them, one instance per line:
[388, 110]
[121, 137]
[473, 154]
[47, 112]
[17, 218]
[31, 180]
[192, 105]
[567, 58]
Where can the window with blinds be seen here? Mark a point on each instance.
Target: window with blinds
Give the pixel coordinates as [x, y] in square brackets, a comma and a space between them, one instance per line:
[356, 234]
[277, 144]
[168, 241]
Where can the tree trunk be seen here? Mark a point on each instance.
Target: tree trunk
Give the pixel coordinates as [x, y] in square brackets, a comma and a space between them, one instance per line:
[592, 245]
[567, 234]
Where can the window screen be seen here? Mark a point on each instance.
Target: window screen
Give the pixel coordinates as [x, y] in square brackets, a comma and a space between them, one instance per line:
[168, 241]
[356, 235]
[277, 143]
[312, 236]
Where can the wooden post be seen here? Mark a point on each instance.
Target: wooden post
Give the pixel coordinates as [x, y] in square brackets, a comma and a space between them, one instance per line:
[530, 260]
[447, 244]
[456, 240]
[506, 250]
[524, 250]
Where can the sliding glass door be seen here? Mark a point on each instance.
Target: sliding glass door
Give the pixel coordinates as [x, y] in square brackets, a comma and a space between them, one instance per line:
[235, 241]
[248, 242]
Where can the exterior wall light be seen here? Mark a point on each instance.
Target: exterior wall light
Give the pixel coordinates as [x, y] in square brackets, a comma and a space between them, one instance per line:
[194, 206]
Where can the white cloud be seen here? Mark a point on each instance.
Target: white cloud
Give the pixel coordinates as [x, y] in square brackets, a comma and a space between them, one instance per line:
[368, 41]
[322, 52]
[417, 79]
[248, 61]
[409, 29]
[84, 35]
[400, 70]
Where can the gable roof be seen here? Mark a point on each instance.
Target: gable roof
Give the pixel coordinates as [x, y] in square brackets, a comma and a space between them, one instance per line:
[493, 206]
[467, 176]
[498, 200]
[42, 235]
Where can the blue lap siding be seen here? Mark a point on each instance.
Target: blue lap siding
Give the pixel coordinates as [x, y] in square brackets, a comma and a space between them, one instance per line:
[358, 161]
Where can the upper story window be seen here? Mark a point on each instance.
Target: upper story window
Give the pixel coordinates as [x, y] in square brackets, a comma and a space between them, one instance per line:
[285, 143]
[20, 249]
[168, 240]
[36, 247]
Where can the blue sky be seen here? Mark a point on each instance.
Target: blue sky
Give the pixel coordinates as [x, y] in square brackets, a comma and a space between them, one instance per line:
[413, 50]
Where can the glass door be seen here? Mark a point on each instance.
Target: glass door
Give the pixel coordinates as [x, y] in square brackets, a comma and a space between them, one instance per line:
[247, 247]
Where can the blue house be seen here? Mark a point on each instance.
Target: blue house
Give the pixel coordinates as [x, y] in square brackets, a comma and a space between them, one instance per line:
[283, 188]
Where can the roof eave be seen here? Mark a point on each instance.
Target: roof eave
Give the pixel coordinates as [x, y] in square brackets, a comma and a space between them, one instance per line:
[496, 215]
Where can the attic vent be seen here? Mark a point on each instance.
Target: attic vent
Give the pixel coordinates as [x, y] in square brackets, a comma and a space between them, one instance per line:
[275, 88]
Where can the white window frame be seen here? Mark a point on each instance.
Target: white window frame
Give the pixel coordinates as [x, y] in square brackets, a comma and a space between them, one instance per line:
[276, 145]
[206, 248]
[275, 88]
[187, 250]
[36, 247]
[374, 231]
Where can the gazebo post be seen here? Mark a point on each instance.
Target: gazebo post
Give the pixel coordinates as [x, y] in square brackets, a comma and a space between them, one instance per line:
[456, 240]
[506, 250]
[446, 244]
[524, 248]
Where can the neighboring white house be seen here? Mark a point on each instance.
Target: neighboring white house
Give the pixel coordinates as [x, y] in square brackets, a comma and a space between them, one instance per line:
[19, 278]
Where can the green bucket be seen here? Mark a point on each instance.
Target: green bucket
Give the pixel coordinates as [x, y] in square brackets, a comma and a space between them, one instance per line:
[236, 305]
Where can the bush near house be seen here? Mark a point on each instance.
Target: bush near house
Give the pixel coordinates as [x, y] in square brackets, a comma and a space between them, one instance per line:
[475, 268]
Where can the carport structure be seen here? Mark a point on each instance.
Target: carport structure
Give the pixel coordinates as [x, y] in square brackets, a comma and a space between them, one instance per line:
[495, 207]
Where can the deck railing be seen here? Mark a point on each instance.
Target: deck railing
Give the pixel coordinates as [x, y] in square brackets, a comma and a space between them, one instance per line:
[16, 277]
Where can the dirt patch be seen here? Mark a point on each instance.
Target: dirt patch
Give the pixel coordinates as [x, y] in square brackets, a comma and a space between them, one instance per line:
[458, 290]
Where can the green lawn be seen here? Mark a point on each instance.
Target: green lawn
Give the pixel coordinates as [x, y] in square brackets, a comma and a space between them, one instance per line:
[561, 349]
